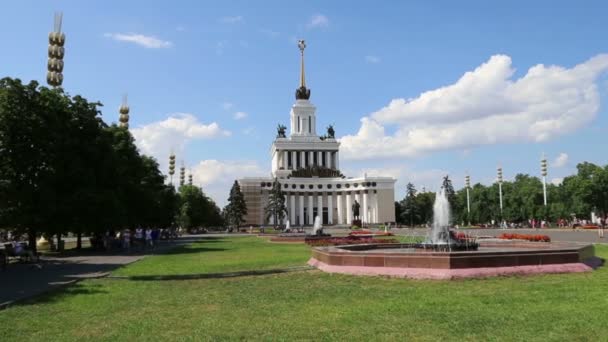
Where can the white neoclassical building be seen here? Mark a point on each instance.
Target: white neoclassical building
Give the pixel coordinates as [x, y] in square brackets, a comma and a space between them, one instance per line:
[307, 166]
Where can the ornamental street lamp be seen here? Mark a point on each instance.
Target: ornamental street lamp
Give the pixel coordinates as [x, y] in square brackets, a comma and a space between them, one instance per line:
[54, 76]
[171, 167]
[543, 172]
[467, 184]
[124, 113]
[182, 175]
[190, 179]
[499, 178]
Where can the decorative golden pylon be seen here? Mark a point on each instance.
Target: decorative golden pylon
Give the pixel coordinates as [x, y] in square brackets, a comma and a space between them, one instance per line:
[171, 167]
[190, 179]
[182, 175]
[54, 76]
[124, 112]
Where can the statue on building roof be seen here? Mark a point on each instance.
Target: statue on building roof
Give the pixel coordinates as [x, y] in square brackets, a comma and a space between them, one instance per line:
[330, 132]
[281, 131]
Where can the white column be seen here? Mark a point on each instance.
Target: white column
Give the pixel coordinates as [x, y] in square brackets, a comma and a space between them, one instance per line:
[311, 219]
[349, 209]
[285, 156]
[292, 209]
[328, 159]
[301, 209]
[330, 208]
[339, 205]
[337, 160]
[293, 159]
[311, 158]
[319, 157]
[303, 159]
[320, 206]
[365, 208]
[374, 211]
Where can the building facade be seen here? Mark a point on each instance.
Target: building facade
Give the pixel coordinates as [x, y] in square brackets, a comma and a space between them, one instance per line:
[307, 166]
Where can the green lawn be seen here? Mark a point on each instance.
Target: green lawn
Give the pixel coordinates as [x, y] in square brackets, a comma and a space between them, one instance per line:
[310, 305]
[217, 255]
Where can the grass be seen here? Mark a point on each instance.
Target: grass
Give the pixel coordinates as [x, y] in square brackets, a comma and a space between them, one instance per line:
[217, 255]
[310, 305]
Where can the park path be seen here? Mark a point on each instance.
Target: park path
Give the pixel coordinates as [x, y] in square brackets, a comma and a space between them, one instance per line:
[23, 280]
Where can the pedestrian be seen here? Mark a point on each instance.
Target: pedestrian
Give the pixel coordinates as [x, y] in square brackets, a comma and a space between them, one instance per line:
[149, 242]
[600, 227]
[126, 240]
[139, 238]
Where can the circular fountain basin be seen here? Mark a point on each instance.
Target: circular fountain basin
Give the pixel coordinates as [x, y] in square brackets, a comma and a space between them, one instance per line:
[493, 258]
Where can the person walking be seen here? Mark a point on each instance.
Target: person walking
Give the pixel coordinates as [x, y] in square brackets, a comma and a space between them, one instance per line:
[600, 227]
[149, 242]
[126, 240]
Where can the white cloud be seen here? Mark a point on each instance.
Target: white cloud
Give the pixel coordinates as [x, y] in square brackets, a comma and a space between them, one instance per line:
[240, 115]
[557, 181]
[485, 106]
[157, 139]
[561, 160]
[317, 21]
[149, 42]
[227, 105]
[231, 19]
[217, 176]
[372, 59]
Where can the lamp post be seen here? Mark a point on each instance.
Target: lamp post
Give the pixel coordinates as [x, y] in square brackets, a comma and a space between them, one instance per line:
[54, 75]
[543, 172]
[499, 178]
[171, 167]
[124, 113]
[182, 175]
[467, 182]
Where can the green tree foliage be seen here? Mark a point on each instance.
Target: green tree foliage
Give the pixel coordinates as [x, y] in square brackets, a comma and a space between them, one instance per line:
[577, 195]
[276, 204]
[410, 210]
[236, 209]
[62, 169]
[196, 209]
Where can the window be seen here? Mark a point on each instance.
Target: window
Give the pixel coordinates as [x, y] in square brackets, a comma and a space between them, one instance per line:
[309, 125]
[298, 124]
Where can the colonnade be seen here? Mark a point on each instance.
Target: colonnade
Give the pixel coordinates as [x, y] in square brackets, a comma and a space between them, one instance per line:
[302, 206]
[295, 159]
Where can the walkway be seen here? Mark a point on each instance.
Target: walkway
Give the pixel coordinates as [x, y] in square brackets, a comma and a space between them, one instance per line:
[22, 280]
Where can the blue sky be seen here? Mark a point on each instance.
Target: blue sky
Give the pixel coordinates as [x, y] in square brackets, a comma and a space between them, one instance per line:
[190, 66]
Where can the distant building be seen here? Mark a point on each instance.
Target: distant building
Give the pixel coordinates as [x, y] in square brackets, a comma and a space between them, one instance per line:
[308, 168]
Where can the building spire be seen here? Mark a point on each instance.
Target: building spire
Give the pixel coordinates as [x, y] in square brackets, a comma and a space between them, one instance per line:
[302, 93]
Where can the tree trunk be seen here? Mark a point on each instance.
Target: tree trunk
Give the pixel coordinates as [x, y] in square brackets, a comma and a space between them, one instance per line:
[32, 240]
[79, 240]
[59, 243]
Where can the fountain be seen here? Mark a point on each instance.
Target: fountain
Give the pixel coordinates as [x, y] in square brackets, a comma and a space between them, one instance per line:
[287, 227]
[449, 255]
[289, 236]
[317, 228]
[441, 237]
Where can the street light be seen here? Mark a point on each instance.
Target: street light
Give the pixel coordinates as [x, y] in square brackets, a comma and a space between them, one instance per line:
[543, 172]
[467, 182]
[499, 178]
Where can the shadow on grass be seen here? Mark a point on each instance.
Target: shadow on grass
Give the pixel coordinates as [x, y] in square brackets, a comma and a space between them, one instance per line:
[59, 293]
[214, 275]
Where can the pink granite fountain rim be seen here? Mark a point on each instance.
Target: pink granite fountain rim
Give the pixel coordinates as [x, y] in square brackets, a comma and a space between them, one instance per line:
[450, 274]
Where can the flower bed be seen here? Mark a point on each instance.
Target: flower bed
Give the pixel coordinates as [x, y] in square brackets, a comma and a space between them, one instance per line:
[349, 240]
[369, 232]
[528, 237]
[590, 226]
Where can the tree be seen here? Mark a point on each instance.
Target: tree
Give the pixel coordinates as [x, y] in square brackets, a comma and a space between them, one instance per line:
[276, 204]
[236, 208]
[410, 208]
[449, 191]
